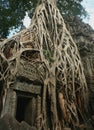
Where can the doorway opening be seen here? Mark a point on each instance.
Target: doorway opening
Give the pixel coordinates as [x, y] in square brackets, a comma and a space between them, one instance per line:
[22, 103]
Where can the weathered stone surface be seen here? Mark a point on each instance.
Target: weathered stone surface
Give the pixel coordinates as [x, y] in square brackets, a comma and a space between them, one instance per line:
[68, 66]
[83, 36]
[26, 69]
[67, 128]
[10, 103]
[25, 87]
[25, 126]
[31, 71]
[10, 123]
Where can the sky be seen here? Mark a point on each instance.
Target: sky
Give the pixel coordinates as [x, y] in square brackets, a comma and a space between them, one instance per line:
[26, 21]
[89, 6]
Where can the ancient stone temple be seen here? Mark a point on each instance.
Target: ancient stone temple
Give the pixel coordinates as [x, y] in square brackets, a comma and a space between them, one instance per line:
[42, 81]
[83, 36]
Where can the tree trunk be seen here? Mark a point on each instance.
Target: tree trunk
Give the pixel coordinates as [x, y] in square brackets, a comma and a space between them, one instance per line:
[48, 45]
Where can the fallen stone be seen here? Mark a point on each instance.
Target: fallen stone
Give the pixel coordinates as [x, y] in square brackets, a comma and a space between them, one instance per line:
[7, 122]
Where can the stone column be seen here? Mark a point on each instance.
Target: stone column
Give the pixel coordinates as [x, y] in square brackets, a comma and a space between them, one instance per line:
[10, 103]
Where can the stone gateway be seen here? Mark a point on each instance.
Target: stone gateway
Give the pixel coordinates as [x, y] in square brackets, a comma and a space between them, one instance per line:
[42, 80]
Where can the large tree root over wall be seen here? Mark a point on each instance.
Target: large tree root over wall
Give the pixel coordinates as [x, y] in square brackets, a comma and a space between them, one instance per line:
[48, 43]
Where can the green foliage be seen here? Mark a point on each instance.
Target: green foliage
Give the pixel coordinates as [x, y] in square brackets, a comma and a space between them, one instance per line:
[71, 7]
[48, 56]
[13, 11]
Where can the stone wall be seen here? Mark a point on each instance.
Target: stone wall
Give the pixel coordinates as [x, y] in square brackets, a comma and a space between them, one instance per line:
[17, 52]
[10, 123]
[83, 35]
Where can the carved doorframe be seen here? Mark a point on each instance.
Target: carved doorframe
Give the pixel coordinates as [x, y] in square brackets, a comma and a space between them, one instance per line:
[19, 89]
[10, 103]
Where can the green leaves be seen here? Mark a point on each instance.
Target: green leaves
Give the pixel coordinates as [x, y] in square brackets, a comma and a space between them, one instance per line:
[71, 7]
[48, 56]
[12, 12]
